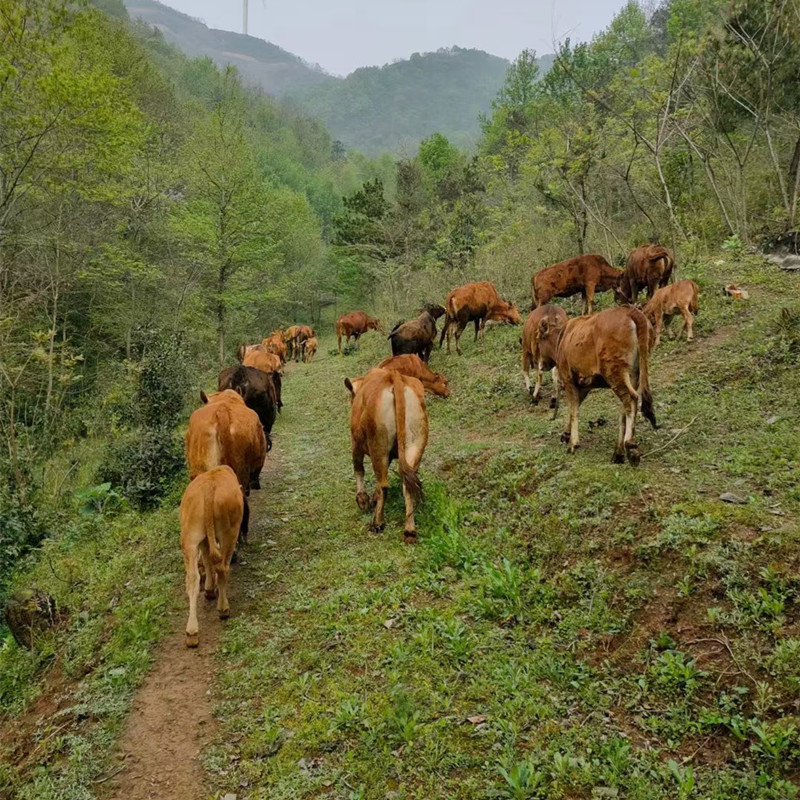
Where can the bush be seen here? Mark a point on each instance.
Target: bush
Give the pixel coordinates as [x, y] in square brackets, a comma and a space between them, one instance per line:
[163, 382]
[144, 465]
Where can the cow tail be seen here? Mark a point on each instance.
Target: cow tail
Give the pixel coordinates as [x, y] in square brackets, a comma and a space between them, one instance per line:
[210, 525]
[240, 353]
[535, 302]
[449, 318]
[643, 341]
[409, 476]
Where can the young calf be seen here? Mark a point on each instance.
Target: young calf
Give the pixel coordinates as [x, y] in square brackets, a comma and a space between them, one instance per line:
[211, 514]
[608, 350]
[677, 297]
[539, 342]
[388, 419]
[310, 349]
[414, 367]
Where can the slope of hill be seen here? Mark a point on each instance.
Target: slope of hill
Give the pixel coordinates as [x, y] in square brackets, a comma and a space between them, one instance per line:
[273, 69]
[395, 106]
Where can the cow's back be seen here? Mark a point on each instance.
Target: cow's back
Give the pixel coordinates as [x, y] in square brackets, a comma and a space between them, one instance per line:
[477, 297]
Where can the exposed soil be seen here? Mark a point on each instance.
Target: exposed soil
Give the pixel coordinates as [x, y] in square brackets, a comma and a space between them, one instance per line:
[172, 720]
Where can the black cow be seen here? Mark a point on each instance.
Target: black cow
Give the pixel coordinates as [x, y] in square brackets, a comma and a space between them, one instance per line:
[417, 336]
[261, 391]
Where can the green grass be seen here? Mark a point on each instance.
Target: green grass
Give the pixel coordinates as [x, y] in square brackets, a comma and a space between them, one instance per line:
[612, 632]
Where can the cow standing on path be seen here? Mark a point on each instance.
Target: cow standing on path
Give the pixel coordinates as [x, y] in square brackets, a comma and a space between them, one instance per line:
[417, 336]
[259, 390]
[478, 303]
[608, 350]
[587, 274]
[388, 419]
[212, 510]
[668, 301]
[256, 355]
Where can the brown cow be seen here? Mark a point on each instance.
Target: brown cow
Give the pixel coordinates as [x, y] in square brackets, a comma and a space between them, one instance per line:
[288, 338]
[475, 302]
[608, 350]
[302, 335]
[417, 335]
[310, 349]
[256, 355]
[539, 343]
[212, 511]
[275, 344]
[355, 324]
[669, 300]
[414, 367]
[225, 431]
[587, 274]
[388, 419]
[649, 267]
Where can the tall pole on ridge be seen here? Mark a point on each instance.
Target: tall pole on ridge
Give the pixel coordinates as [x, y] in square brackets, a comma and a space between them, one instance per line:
[244, 23]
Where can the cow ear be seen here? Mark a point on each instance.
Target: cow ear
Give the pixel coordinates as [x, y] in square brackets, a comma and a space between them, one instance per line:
[349, 386]
[203, 397]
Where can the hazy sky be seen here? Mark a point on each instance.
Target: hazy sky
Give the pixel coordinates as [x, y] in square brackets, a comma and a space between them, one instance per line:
[342, 35]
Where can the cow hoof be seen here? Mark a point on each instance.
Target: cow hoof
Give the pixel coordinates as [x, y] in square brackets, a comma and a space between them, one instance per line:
[553, 403]
[565, 438]
[255, 484]
[618, 458]
[364, 501]
[377, 528]
[225, 614]
[535, 399]
[633, 456]
[192, 640]
[572, 448]
[211, 594]
[410, 537]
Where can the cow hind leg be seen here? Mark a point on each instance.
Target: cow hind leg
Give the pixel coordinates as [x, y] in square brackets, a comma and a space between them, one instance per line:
[571, 434]
[526, 370]
[554, 398]
[192, 567]
[362, 498]
[629, 398]
[477, 323]
[459, 331]
[210, 583]
[223, 571]
[380, 465]
[688, 324]
[537, 389]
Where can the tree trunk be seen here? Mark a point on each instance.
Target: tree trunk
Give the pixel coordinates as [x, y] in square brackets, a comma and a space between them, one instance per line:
[794, 180]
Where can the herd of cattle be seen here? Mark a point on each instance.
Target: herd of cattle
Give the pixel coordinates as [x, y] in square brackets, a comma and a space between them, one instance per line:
[230, 434]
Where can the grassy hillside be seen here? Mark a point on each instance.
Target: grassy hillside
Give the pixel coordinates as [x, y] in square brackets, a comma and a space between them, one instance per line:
[566, 628]
[261, 63]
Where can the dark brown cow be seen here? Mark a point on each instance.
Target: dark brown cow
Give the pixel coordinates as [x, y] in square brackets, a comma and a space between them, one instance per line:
[388, 419]
[225, 431]
[260, 391]
[587, 274]
[354, 325]
[608, 350]
[212, 511]
[416, 336]
[668, 301]
[414, 367]
[477, 303]
[539, 343]
[649, 267]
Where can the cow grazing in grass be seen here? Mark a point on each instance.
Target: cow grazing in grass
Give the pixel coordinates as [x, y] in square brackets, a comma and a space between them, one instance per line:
[539, 343]
[680, 297]
[608, 350]
[388, 420]
[414, 367]
[260, 391]
[354, 325]
[477, 303]
[587, 274]
[416, 336]
[310, 349]
[212, 510]
[275, 344]
[649, 267]
[257, 356]
[289, 336]
[225, 431]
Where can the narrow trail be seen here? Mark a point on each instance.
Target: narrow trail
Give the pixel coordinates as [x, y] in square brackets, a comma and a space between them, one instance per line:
[171, 720]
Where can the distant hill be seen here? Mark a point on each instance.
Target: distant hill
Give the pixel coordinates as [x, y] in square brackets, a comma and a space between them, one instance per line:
[262, 63]
[376, 109]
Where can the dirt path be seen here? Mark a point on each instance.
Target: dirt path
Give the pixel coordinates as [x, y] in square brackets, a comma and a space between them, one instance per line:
[171, 720]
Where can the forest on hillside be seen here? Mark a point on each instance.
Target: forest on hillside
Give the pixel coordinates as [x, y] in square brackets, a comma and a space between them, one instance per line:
[682, 127]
